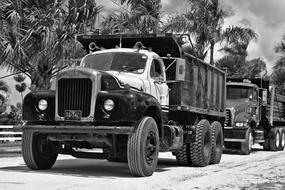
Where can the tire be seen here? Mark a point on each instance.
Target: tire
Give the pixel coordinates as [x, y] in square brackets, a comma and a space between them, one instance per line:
[143, 148]
[38, 152]
[183, 157]
[121, 156]
[200, 150]
[247, 145]
[282, 140]
[274, 140]
[217, 142]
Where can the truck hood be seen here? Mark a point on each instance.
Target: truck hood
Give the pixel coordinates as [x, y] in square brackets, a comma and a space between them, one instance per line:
[128, 79]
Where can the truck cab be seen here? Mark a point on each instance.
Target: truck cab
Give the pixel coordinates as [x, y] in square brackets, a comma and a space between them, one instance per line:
[142, 70]
[246, 114]
[242, 105]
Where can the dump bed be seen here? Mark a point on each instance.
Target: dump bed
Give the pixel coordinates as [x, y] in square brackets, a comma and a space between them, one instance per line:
[276, 109]
[203, 87]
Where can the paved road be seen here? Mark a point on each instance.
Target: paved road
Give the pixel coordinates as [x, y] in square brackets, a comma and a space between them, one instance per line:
[260, 170]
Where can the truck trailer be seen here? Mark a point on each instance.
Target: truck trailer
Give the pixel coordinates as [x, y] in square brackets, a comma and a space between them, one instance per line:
[131, 97]
[255, 114]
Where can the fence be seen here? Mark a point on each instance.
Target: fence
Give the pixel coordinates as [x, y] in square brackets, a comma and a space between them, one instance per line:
[7, 134]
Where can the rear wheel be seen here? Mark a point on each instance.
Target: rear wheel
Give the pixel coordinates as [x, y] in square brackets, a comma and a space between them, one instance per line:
[143, 148]
[183, 156]
[217, 142]
[247, 145]
[282, 139]
[38, 152]
[274, 141]
[200, 150]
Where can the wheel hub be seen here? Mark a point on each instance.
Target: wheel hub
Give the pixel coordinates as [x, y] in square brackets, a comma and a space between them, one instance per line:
[150, 148]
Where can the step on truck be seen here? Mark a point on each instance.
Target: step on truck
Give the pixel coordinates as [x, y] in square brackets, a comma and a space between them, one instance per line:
[131, 97]
[255, 114]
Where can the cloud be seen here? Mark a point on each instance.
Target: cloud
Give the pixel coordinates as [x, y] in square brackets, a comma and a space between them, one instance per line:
[266, 18]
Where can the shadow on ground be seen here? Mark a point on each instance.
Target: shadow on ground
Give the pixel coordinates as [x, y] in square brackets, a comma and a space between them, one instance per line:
[91, 168]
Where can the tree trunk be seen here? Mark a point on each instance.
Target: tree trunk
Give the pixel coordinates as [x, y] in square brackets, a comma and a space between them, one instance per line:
[212, 53]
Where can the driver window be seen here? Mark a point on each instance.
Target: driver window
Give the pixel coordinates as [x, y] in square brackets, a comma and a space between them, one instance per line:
[255, 94]
[155, 69]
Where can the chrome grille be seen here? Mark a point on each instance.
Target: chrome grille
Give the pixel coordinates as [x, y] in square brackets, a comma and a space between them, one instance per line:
[74, 94]
[228, 118]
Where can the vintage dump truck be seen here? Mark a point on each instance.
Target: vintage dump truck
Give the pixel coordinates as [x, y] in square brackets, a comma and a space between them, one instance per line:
[127, 103]
[255, 114]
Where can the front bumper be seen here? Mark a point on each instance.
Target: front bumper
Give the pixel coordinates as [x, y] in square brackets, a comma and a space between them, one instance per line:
[78, 129]
[234, 135]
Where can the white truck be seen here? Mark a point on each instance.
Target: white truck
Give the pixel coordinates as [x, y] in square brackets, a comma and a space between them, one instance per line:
[131, 103]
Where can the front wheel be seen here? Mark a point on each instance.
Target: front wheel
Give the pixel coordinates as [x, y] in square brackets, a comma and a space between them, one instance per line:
[143, 148]
[247, 145]
[38, 152]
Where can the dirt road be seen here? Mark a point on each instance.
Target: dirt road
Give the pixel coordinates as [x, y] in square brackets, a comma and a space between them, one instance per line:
[260, 170]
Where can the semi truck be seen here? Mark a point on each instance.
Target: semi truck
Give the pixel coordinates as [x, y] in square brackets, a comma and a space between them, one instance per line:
[131, 97]
[255, 114]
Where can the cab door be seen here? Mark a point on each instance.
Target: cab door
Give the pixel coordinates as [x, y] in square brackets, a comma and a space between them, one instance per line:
[158, 87]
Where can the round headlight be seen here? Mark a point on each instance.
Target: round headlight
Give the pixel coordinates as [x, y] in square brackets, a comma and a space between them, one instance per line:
[42, 105]
[109, 105]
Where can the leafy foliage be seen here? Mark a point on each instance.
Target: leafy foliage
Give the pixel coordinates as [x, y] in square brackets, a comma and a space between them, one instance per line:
[143, 17]
[3, 98]
[204, 21]
[37, 34]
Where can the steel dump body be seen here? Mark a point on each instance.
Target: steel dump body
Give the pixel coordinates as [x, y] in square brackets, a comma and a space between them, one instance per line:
[201, 91]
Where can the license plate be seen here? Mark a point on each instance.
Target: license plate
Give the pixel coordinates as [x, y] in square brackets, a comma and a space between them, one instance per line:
[72, 114]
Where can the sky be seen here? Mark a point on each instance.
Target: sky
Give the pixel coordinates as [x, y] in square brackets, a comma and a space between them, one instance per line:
[265, 17]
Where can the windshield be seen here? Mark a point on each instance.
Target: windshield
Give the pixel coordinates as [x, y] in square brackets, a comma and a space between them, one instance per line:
[116, 61]
[237, 92]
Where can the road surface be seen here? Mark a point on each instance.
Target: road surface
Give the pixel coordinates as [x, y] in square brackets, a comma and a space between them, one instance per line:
[260, 170]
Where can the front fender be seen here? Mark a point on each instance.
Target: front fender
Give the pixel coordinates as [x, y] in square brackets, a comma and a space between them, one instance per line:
[30, 110]
[129, 105]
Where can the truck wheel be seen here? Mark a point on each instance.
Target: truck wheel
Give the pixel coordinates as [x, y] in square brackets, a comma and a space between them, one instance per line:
[183, 156]
[143, 148]
[200, 150]
[38, 152]
[274, 141]
[282, 140]
[247, 145]
[217, 142]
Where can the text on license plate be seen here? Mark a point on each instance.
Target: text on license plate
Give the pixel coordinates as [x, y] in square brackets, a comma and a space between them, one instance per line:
[72, 114]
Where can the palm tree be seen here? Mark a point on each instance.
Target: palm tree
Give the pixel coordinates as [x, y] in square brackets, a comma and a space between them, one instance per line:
[37, 34]
[204, 21]
[142, 17]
